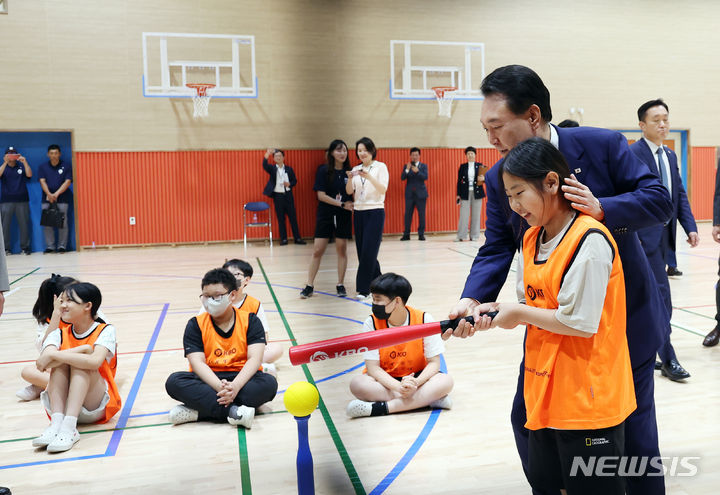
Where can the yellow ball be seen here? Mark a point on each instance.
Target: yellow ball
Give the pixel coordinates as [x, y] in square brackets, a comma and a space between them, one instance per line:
[301, 399]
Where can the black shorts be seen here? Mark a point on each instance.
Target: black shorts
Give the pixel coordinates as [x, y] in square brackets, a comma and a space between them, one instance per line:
[416, 374]
[570, 458]
[336, 223]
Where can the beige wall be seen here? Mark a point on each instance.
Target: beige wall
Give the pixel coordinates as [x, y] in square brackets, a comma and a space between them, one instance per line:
[323, 68]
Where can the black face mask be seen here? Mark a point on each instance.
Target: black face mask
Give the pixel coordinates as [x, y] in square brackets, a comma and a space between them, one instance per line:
[380, 311]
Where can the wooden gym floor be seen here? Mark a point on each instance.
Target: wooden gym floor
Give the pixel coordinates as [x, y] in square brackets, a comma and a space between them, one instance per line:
[150, 293]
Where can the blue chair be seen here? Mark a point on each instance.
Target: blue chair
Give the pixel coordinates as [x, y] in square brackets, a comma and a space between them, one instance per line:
[254, 208]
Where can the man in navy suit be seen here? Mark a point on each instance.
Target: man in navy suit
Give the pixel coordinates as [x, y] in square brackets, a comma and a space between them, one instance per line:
[416, 173]
[279, 188]
[713, 337]
[610, 184]
[656, 241]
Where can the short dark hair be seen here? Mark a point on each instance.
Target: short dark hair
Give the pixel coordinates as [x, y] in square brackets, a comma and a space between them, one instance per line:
[569, 123]
[470, 148]
[369, 145]
[392, 285]
[642, 111]
[219, 276]
[532, 160]
[85, 292]
[53, 147]
[50, 287]
[414, 149]
[241, 265]
[279, 151]
[521, 87]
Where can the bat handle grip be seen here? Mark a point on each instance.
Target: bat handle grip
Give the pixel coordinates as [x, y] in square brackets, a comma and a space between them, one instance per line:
[447, 324]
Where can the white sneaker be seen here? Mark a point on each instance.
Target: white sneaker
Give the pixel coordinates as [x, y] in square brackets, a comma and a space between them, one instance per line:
[270, 369]
[441, 403]
[182, 414]
[241, 416]
[31, 392]
[47, 437]
[64, 440]
[359, 408]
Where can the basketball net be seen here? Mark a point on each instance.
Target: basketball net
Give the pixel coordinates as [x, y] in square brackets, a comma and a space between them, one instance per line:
[444, 96]
[201, 100]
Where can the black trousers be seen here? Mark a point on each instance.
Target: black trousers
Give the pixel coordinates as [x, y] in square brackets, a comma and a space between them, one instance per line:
[410, 205]
[188, 388]
[717, 296]
[285, 206]
[368, 236]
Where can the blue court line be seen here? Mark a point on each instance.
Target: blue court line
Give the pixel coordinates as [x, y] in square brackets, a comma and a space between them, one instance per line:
[124, 415]
[117, 434]
[148, 414]
[414, 448]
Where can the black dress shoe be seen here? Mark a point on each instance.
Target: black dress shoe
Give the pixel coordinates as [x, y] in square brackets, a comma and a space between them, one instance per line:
[674, 371]
[713, 337]
[283, 242]
[405, 237]
[300, 241]
[27, 251]
[674, 272]
[49, 250]
[61, 250]
[421, 237]
[658, 365]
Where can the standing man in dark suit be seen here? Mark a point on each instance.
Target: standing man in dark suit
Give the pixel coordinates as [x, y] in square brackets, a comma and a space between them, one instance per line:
[713, 337]
[613, 186]
[653, 119]
[279, 188]
[416, 173]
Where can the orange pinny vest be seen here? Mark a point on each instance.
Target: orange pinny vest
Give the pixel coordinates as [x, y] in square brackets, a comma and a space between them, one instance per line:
[107, 370]
[250, 304]
[575, 383]
[403, 359]
[223, 353]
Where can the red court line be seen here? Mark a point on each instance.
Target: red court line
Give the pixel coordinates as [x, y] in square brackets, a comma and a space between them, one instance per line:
[124, 353]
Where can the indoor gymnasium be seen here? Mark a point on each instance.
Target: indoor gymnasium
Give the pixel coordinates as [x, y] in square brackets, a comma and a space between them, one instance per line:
[324, 143]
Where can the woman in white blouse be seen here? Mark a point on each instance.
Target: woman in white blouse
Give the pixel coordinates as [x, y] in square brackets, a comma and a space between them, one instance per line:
[367, 183]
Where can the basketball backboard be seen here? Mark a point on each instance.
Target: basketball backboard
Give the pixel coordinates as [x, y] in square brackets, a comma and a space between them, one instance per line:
[172, 60]
[417, 66]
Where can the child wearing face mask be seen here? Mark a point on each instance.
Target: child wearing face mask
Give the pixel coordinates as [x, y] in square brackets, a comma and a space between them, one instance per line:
[405, 376]
[224, 347]
[243, 272]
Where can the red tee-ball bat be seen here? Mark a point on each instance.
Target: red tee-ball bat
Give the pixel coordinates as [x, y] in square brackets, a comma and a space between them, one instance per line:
[367, 341]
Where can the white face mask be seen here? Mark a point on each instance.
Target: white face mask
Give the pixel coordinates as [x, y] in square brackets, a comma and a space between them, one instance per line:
[216, 308]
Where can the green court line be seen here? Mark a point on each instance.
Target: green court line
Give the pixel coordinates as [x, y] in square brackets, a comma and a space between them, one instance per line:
[688, 330]
[28, 273]
[244, 464]
[92, 431]
[694, 313]
[342, 451]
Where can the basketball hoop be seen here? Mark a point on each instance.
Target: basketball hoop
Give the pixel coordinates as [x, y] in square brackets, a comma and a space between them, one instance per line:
[445, 96]
[201, 100]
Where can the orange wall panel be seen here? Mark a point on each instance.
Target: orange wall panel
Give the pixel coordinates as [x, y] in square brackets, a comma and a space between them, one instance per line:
[197, 196]
[702, 182]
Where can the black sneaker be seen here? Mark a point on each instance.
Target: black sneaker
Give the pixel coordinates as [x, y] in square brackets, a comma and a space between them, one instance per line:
[674, 272]
[27, 251]
[61, 250]
[306, 292]
[405, 237]
[49, 250]
[421, 237]
[341, 290]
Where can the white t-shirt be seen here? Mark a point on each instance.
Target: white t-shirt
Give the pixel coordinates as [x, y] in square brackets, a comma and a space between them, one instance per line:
[432, 345]
[366, 197]
[281, 177]
[471, 177]
[582, 294]
[106, 339]
[42, 328]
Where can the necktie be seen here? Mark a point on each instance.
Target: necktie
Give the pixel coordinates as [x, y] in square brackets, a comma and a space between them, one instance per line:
[661, 167]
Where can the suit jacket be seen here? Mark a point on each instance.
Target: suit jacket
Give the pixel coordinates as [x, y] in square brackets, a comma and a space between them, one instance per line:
[651, 237]
[415, 187]
[716, 199]
[463, 189]
[632, 198]
[272, 171]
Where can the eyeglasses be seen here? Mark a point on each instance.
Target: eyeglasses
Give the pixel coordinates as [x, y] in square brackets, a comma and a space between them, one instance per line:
[217, 298]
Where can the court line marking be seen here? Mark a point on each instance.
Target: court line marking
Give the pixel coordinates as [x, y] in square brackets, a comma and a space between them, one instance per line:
[124, 414]
[244, 462]
[342, 451]
[28, 273]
